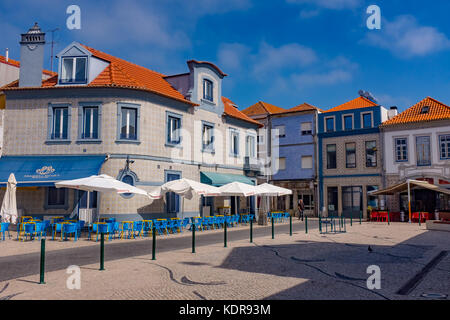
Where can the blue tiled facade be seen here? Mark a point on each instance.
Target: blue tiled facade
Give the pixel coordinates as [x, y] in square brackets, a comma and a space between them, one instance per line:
[361, 177]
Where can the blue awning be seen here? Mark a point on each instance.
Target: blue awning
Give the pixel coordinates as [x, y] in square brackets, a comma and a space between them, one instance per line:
[34, 171]
[220, 179]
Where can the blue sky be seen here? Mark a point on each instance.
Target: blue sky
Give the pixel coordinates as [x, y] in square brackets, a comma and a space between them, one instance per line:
[284, 52]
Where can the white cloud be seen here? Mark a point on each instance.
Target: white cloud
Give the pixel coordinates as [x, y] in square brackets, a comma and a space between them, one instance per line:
[330, 4]
[307, 14]
[289, 56]
[405, 38]
[231, 56]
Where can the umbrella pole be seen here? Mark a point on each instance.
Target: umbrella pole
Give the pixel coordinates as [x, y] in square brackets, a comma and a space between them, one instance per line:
[182, 209]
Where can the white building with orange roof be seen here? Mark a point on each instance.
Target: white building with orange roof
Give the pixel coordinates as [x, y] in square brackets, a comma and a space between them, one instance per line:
[103, 115]
[417, 146]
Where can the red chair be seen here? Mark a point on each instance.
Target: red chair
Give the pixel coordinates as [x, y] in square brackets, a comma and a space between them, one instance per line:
[374, 215]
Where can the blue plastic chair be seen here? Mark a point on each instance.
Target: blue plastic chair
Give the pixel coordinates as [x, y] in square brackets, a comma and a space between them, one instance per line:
[160, 226]
[196, 222]
[102, 228]
[147, 227]
[5, 228]
[138, 227]
[184, 224]
[29, 229]
[126, 229]
[68, 229]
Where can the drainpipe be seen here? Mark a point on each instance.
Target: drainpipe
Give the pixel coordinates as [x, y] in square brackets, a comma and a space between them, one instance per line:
[316, 151]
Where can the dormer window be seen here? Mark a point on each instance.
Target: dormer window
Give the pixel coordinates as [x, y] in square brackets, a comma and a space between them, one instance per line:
[73, 70]
[425, 109]
[208, 90]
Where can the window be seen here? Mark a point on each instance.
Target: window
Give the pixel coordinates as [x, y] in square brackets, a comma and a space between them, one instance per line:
[371, 154]
[308, 200]
[331, 156]
[128, 128]
[130, 178]
[401, 149]
[423, 149]
[445, 146]
[329, 124]
[90, 123]
[56, 197]
[173, 130]
[425, 110]
[208, 137]
[307, 162]
[208, 90]
[282, 163]
[250, 147]
[73, 70]
[350, 155]
[348, 122]
[234, 137]
[172, 199]
[367, 120]
[281, 131]
[60, 126]
[306, 128]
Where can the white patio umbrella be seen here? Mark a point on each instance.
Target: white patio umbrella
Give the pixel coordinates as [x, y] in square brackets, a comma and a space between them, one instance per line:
[9, 205]
[268, 189]
[186, 188]
[101, 183]
[238, 189]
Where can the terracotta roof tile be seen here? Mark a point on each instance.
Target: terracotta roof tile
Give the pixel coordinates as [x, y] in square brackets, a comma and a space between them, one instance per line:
[357, 103]
[261, 108]
[231, 111]
[302, 107]
[16, 63]
[124, 74]
[436, 111]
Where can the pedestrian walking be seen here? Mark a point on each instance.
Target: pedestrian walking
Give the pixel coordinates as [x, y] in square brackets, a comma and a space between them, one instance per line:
[301, 208]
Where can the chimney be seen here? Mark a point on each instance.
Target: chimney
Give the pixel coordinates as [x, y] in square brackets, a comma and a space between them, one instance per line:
[393, 111]
[32, 57]
[7, 55]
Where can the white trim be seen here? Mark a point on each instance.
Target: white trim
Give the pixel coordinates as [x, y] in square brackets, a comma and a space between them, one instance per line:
[334, 123]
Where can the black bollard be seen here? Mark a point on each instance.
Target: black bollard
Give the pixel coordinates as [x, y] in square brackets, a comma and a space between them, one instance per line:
[273, 229]
[290, 225]
[193, 238]
[153, 243]
[41, 280]
[225, 234]
[251, 231]
[102, 251]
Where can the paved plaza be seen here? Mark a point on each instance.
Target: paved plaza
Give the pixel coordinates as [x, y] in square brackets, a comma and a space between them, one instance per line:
[412, 260]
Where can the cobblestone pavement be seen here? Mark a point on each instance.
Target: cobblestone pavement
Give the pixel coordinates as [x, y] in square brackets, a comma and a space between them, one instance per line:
[304, 266]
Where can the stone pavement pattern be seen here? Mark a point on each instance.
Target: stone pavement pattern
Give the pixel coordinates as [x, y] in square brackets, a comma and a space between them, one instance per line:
[304, 266]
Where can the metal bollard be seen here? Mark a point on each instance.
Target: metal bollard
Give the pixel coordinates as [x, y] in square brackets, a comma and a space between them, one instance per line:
[389, 219]
[153, 243]
[306, 224]
[360, 217]
[351, 221]
[102, 252]
[193, 238]
[290, 225]
[273, 229]
[251, 231]
[225, 234]
[41, 280]
[420, 219]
